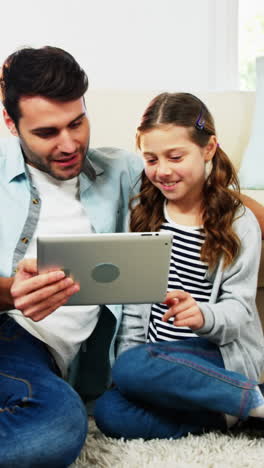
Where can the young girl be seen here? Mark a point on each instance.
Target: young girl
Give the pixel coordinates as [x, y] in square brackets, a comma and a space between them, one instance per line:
[204, 356]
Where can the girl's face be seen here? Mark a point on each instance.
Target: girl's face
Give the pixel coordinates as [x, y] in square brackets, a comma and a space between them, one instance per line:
[174, 164]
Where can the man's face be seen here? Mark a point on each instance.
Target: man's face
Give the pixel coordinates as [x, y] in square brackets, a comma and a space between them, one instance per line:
[54, 135]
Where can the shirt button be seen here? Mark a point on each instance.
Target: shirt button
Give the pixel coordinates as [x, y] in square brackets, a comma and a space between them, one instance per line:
[35, 201]
[24, 240]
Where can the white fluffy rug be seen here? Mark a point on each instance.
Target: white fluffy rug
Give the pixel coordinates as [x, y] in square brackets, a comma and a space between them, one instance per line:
[211, 450]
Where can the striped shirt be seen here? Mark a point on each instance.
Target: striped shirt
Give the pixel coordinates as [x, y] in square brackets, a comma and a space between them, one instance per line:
[187, 272]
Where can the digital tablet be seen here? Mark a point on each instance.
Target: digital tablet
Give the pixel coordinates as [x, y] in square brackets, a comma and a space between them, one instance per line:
[111, 268]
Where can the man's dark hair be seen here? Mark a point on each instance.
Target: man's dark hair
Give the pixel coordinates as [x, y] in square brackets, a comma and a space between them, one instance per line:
[50, 72]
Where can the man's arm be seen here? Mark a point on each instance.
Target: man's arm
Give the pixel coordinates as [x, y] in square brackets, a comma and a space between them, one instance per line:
[6, 299]
[257, 209]
[35, 295]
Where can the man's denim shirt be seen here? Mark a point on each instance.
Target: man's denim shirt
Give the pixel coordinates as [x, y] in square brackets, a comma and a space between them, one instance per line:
[107, 182]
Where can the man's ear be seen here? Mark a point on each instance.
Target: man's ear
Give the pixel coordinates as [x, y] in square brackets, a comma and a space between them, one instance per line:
[10, 123]
[210, 148]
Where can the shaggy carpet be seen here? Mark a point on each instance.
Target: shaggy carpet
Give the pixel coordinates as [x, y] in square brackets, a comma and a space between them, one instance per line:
[212, 450]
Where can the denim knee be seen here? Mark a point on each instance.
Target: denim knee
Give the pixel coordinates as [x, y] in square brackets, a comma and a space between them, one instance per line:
[67, 430]
[101, 414]
[41, 433]
[108, 414]
[71, 428]
[131, 366]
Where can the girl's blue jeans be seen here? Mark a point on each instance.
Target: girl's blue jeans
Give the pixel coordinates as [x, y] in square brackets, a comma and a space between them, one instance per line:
[170, 389]
[43, 422]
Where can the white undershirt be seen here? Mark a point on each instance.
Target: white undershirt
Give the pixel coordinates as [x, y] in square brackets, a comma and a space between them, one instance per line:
[61, 213]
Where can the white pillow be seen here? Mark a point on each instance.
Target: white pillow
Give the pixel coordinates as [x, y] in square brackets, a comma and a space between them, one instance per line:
[251, 174]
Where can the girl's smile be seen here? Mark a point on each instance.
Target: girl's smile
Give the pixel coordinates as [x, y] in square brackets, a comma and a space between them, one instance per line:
[175, 164]
[168, 186]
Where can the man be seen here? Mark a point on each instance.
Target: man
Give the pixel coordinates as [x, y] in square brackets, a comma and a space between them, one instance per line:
[51, 183]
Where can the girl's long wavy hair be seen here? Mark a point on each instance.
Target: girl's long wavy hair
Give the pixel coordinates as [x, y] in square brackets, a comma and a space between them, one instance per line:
[221, 188]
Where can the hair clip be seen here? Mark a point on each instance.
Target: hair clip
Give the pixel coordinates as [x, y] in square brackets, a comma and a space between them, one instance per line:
[200, 122]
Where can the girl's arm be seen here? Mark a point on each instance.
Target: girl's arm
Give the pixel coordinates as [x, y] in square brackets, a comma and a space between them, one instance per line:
[232, 306]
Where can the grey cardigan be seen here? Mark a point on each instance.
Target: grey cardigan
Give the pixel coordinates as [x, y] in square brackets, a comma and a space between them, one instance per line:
[231, 317]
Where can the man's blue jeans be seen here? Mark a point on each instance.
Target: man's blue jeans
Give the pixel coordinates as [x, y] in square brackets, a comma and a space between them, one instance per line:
[170, 389]
[43, 422]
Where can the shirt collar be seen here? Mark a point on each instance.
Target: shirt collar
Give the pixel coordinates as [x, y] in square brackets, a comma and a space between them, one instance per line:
[15, 165]
[90, 167]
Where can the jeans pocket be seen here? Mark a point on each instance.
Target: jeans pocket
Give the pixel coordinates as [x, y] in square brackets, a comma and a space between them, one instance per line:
[15, 392]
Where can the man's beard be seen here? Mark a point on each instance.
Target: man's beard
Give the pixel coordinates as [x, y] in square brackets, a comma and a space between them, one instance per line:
[45, 165]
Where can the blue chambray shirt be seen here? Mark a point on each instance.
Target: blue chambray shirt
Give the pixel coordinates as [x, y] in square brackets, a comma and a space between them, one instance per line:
[107, 182]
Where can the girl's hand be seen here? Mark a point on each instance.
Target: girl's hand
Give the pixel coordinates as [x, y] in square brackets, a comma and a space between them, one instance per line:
[185, 309]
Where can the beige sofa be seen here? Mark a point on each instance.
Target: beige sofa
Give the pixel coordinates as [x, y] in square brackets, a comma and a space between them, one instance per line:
[114, 116]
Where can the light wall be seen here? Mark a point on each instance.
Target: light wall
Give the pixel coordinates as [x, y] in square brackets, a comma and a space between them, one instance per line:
[115, 114]
[133, 44]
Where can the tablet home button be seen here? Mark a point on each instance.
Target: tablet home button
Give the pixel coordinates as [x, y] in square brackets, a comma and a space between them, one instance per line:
[105, 272]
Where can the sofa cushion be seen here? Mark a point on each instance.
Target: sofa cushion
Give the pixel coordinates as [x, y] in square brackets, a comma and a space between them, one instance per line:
[257, 195]
[252, 167]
